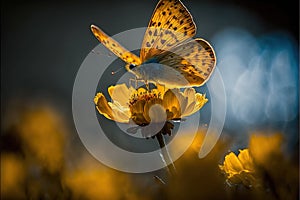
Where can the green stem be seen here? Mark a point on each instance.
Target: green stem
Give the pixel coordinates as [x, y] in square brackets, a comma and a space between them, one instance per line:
[165, 154]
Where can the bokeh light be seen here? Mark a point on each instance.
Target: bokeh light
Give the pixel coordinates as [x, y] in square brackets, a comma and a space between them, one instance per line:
[260, 76]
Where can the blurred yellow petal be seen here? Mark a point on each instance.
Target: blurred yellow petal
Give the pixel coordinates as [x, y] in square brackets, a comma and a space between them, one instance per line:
[12, 177]
[264, 148]
[90, 180]
[42, 132]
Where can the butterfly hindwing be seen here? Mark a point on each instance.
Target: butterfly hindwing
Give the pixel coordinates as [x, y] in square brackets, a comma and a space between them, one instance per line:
[171, 24]
[195, 60]
[115, 47]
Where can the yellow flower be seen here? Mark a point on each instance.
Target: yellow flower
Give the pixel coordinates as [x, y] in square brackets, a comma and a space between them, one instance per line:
[266, 149]
[143, 106]
[91, 180]
[239, 169]
[13, 176]
[42, 132]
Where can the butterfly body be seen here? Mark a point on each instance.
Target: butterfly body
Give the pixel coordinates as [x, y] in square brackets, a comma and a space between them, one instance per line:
[151, 60]
[168, 56]
[162, 74]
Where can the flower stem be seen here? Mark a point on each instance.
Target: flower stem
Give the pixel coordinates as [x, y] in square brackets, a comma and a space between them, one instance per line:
[165, 154]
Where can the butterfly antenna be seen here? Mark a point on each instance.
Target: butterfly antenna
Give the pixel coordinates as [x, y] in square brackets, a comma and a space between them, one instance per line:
[102, 54]
[117, 71]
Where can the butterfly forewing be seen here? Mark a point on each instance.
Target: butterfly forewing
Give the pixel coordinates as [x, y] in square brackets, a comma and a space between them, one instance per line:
[171, 24]
[195, 60]
[115, 47]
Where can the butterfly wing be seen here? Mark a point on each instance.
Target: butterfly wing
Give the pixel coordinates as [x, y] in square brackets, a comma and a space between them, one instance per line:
[170, 24]
[193, 60]
[115, 47]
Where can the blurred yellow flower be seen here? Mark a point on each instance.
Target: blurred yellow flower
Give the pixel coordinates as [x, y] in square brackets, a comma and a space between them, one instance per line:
[239, 169]
[42, 133]
[197, 178]
[90, 180]
[265, 148]
[12, 177]
[131, 104]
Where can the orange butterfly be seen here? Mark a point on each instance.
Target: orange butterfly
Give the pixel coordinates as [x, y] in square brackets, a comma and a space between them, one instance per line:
[169, 56]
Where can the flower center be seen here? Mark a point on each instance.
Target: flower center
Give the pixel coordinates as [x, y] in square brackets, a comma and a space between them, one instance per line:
[144, 95]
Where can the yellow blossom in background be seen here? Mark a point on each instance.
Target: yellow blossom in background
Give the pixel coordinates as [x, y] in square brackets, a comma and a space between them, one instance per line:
[239, 169]
[93, 184]
[279, 173]
[91, 180]
[197, 178]
[12, 177]
[130, 104]
[196, 140]
[42, 134]
[264, 167]
[264, 148]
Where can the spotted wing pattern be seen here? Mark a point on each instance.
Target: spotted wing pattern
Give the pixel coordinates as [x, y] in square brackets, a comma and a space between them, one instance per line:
[170, 24]
[115, 47]
[195, 60]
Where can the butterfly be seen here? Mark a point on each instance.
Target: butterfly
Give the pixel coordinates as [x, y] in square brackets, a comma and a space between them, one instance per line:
[168, 55]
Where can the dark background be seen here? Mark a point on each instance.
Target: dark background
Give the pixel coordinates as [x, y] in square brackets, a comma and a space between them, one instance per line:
[44, 42]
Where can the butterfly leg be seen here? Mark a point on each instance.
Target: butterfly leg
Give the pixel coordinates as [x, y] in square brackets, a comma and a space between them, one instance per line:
[147, 85]
[135, 81]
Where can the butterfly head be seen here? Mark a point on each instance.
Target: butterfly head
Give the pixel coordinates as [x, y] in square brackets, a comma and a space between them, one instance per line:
[130, 67]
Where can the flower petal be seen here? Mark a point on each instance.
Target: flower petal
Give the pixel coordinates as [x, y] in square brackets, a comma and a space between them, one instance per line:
[137, 112]
[235, 179]
[102, 106]
[171, 103]
[232, 164]
[189, 110]
[119, 113]
[161, 89]
[190, 94]
[246, 160]
[138, 107]
[200, 101]
[120, 93]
